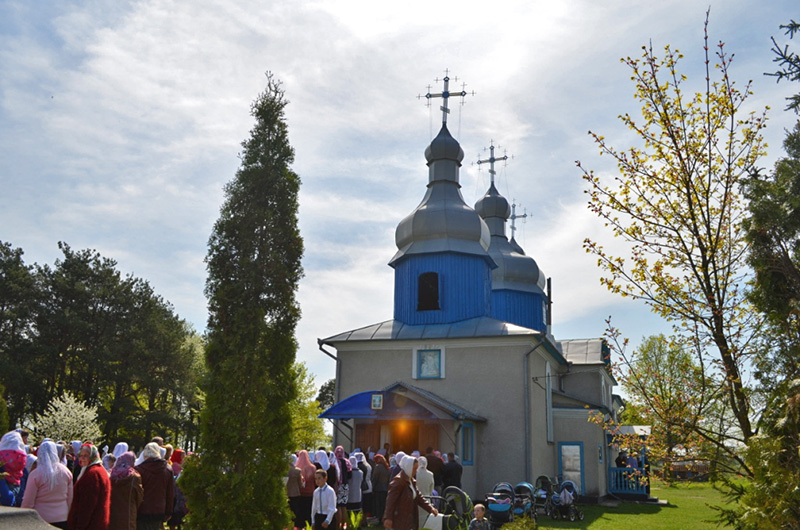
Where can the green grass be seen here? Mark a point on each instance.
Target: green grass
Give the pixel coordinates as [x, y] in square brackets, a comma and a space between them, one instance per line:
[687, 509]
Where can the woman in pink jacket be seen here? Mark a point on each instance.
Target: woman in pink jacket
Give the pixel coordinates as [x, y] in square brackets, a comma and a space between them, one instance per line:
[49, 489]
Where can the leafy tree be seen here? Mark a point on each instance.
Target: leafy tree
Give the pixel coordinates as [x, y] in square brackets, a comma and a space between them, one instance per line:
[4, 422]
[327, 394]
[671, 391]
[676, 201]
[771, 499]
[19, 294]
[307, 428]
[253, 270]
[773, 231]
[67, 418]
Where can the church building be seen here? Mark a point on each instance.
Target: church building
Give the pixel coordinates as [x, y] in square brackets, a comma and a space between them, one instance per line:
[469, 364]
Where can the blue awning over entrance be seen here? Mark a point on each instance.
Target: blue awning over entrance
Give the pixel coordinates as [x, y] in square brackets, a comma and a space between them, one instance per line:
[395, 406]
[398, 401]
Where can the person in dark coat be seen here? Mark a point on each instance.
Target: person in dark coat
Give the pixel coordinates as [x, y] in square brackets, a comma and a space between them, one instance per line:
[435, 466]
[126, 493]
[452, 472]
[91, 495]
[404, 498]
[159, 490]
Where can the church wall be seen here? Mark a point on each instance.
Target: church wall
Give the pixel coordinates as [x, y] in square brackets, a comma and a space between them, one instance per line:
[584, 383]
[485, 378]
[573, 426]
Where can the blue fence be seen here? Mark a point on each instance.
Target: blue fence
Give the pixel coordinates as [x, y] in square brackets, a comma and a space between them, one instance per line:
[627, 481]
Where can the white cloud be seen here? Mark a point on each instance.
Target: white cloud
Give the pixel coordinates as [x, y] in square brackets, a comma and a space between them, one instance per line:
[121, 123]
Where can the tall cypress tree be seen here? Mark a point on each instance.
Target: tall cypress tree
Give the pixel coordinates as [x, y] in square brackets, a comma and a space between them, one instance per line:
[253, 271]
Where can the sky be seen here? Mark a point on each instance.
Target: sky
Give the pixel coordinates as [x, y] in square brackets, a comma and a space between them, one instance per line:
[121, 121]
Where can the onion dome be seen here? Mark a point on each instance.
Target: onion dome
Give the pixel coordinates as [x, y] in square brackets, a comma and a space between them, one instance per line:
[442, 222]
[515, 271]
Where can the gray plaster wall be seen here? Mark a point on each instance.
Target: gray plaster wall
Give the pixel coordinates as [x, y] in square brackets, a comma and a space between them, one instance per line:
[484, 376]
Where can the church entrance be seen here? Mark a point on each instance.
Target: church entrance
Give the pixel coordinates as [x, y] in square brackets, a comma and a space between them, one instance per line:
[405, 436]
[402, 435]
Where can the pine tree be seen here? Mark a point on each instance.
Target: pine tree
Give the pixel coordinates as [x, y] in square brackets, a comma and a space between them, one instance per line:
[253, 271]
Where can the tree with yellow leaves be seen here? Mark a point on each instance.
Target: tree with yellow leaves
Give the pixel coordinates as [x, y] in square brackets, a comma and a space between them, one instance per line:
[676, 202]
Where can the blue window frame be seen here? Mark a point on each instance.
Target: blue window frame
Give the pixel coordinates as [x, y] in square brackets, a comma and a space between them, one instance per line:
[467, 444]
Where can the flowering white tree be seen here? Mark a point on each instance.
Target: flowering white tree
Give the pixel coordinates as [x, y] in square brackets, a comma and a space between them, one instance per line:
[68, 418]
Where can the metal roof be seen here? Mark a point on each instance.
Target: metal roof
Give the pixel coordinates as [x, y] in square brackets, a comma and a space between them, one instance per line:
[396, 330]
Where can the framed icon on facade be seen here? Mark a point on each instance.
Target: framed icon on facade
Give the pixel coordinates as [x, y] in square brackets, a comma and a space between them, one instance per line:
[377, 402]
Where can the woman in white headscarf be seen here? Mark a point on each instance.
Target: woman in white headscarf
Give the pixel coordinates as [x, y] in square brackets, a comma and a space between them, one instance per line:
[120, 449]
[404, 498]
[424, 482]
[49, 489]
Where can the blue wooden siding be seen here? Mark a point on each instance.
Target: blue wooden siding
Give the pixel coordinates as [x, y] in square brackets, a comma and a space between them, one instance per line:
[520, 308]
[464, 288]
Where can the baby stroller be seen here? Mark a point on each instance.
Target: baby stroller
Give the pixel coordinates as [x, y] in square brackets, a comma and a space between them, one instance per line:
[500, 505]
[543, 494]
[454, 509]
[457, 504]
[564, 503]
[523, 502]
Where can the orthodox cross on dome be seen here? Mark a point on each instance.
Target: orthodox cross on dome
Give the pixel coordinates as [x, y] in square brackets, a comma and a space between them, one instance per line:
[514, 217]
[446, 94]
[491, 160]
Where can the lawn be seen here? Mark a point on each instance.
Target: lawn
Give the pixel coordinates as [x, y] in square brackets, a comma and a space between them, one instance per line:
[687, 509]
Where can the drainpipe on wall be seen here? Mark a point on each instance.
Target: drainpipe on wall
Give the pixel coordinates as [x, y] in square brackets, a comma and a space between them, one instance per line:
[336, 386]
[525, 377]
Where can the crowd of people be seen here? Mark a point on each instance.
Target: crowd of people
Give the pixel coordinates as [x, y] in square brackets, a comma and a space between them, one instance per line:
[76, 486]
[379, 486]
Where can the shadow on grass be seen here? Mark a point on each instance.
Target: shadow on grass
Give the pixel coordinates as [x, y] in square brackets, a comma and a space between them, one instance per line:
[594, 513]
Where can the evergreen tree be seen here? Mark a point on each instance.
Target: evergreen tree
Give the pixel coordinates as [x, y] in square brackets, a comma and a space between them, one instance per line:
[253, 271]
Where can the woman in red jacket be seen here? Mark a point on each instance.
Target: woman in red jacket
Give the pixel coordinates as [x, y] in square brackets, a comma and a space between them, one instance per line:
[404, 497]
[91, 497]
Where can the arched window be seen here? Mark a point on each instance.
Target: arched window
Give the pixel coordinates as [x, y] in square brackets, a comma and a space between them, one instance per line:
[428, 291]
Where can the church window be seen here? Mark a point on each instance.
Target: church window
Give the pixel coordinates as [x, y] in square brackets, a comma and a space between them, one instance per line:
[467, 444]
[428, 363]
[428, 292]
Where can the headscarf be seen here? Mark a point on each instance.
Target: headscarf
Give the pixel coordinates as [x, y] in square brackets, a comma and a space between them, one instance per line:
[76, 447]
[162, 451]
[415, 454]
[120, 449]
[380, 460]
[94, 458]
[339, 452]
[353, 462]
[151, 450]
[62, 453]
[123, 468]
[47, 466]
[307, 469]
[31, 459]
[423, 462]
[407, 465]
[322, 459]
[12, 453]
